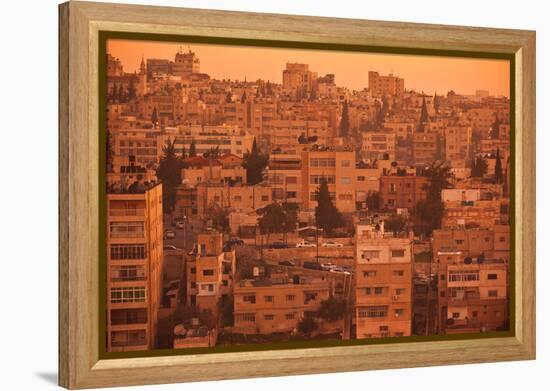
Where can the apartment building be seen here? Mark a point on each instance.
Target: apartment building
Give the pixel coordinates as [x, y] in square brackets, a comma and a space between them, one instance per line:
[185, 63]
[473, 293]
[298, 77]
[278, 302]
[228, 140]
[142, 144]
[458, 142]
[380, 86]
[470, 214]
[285, 177]
[335, 164]
[402, 191]
[209, 270]
[383, 289]
[134, 268]
[199, 169]
[238, 198]
[378, 145]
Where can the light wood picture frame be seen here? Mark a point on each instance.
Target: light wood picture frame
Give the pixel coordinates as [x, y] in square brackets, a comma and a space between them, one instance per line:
[80, 361]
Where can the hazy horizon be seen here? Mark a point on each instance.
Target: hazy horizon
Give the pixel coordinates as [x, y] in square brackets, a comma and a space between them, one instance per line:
[421, 73]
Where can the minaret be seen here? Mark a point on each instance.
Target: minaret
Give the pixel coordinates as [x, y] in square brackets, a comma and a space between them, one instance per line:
[142, 78]
[142, 69]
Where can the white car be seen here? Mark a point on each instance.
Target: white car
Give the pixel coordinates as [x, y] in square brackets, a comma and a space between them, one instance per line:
[305, 244]
[340, 270]
[328, 266]
[180, 225]
[332, 244]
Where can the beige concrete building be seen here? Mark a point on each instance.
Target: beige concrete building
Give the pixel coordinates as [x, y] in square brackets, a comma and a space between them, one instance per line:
[337, 165]
[298, 77]
[385, 85]
[458, 142]
[383, 290]
[209, 272]
[378, 145]
[237, 198]
[134, 269]
[473, 293]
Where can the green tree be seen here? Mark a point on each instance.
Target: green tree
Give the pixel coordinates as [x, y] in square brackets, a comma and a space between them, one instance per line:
[307, 325]
[498, 168]
[218, 216]
[344, 121]
[495, 128]
[332, 309]
[278, 218]
[374, 201]
[254, 162]
[395, 224]
[227, 311]
[327, 216]
[479, 167]
[169, 173]
[154, 117]
[193, 149]
[243, 97]
[109, 149]
[428, 213]
[228, 97]
[423, 116]
[132, 92]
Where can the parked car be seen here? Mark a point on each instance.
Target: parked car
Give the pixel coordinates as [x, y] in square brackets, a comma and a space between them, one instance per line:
[169, 247]
[235, 242]
[305, 244]
[313, 265]
[287, 263]
[340, 270]
[169, 234]
[328, 266]
[180, 225]
[332, 244]
[278, 245]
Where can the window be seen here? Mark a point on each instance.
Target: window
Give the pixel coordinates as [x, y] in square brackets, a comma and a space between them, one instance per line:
[237, 198]
[474, 314]
[442, 277]
[399, 312]
[493, 293]
[128, 338]
[400, 291]
[373, 312]
[269, 299]
[361, 178]
[128, 251]
[383, 328]
[463, 276]
[208, 272]
[193, 270]
[126, 229]
[456, 315]
[124, 316]
[369, 273]
[265, 198]
[290, 316]
[193, 285]
[397, 253]
[398, 273]
[378, 290]
[393, 188]
[346, 180]
[370, 254]
[291, 179]
[128, 295]
[246, 317]
[316, 179]
[128, 273]
[345, 197]
[249, 299]
[291, 194]
[290, 297]
[269, 317]
[492, 276]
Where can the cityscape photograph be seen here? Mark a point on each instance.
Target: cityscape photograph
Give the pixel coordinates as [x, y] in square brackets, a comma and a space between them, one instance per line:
[260, 195]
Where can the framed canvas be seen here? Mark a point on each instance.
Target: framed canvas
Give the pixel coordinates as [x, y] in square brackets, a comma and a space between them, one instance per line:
[247, 195]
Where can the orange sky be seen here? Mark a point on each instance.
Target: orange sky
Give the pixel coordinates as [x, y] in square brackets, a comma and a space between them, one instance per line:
[421, 73]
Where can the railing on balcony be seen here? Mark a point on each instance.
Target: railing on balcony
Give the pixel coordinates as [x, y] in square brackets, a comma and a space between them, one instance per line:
[126, 212]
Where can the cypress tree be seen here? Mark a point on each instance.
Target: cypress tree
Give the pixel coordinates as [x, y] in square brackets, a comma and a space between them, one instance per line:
[193, 149]
[344, 122]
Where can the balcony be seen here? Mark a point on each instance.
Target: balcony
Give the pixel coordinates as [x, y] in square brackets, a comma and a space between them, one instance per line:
[127, 212]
